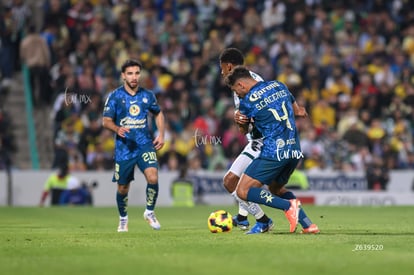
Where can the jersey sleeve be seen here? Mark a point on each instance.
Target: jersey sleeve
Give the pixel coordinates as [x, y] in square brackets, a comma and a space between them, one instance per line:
[109, 108]
[154, 107]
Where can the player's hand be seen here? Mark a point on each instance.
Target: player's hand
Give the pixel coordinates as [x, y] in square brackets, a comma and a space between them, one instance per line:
[158, 143]
[122, 131]
[302, 112]
[239, 118]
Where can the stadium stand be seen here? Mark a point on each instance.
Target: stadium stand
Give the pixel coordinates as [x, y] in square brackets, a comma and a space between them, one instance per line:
[349, 62]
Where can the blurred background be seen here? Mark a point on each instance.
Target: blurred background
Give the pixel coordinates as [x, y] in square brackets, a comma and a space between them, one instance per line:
[350, 63]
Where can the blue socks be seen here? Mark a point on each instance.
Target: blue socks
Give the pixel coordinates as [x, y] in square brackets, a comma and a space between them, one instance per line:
[122, 202]
[303, 219]
[152, 195]
[262, 196]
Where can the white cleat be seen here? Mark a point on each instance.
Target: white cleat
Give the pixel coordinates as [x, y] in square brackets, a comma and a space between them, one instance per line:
[149, 216]
[123, 224]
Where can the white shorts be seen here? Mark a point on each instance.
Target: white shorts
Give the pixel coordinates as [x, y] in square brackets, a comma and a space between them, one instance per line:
[250, 152]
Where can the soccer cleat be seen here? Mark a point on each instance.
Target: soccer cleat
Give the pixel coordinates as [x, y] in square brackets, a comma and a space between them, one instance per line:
[312, 229]
[123, 224]
[243, 225]
[260, 227]
[149, 216]
[292, 214]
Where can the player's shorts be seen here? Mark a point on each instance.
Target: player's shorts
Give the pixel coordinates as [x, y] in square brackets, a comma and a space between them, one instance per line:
[124, 170]
[250, 152]
[268, 170]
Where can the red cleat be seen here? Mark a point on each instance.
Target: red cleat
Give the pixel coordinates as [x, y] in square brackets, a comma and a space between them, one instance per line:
[312, 229]
[292, 214]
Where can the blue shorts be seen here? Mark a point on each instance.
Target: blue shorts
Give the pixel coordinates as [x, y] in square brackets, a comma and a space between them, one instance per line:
[124, 170]
[267, 170]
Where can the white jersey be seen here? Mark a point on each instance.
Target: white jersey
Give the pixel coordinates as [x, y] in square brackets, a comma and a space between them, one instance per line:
[252, 149]
[237, 100]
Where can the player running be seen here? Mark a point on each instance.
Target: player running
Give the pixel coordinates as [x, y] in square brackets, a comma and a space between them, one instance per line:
[125, 113]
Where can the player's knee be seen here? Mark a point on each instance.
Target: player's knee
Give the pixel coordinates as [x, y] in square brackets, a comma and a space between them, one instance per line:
[230, 181]
[123, 189]
[151, 175]
[276, 189]
[152, 179]
[242, 192]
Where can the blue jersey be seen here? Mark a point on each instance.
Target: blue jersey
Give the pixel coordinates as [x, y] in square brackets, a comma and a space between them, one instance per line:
[131, 112]
[269, 103]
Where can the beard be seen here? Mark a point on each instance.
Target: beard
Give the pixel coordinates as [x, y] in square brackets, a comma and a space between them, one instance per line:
[132, 86]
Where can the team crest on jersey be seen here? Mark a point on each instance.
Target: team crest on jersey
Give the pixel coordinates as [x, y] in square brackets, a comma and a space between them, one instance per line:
[145, 100]
[134, 110]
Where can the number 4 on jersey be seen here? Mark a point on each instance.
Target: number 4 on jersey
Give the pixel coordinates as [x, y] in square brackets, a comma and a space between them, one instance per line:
[284, 117]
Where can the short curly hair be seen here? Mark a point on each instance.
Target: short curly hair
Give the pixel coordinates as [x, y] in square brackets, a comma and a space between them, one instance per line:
[130, 63]
[233, 56]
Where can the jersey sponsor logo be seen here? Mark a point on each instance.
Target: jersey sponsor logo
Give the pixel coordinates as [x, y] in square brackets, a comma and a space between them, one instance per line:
[281, 143]
[134, 110]
[129, 122]
[257, 94]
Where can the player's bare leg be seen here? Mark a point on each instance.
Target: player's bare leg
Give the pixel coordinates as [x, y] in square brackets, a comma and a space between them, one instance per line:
[230, 181]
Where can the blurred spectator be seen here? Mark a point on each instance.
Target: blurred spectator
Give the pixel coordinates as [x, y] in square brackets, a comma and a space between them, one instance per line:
[298, 181]
[67, 139]
[75, 193]
[182, 189]
[7, 141]
[90, 136]
[34, 52]
[9, 40]
[323, 115]
[377, 175]
[345, 62]
[55, 185]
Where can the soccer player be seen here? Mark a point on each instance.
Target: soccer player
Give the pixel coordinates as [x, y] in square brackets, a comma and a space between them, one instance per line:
[126, 113]
[230, 58]
[272, 107]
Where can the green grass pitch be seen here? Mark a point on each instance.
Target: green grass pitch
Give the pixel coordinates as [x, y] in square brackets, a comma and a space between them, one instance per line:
[55, 240]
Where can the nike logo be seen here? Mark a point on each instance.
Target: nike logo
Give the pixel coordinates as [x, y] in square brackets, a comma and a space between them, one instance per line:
[132, 102]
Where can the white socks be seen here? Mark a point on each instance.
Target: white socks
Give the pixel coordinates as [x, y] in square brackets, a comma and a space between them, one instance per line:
[246, 207]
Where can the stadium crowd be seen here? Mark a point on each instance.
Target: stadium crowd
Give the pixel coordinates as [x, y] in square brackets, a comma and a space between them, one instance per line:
[350, 63]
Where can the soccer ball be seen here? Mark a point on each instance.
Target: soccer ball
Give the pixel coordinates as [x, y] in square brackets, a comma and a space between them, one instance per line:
[220, 221]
